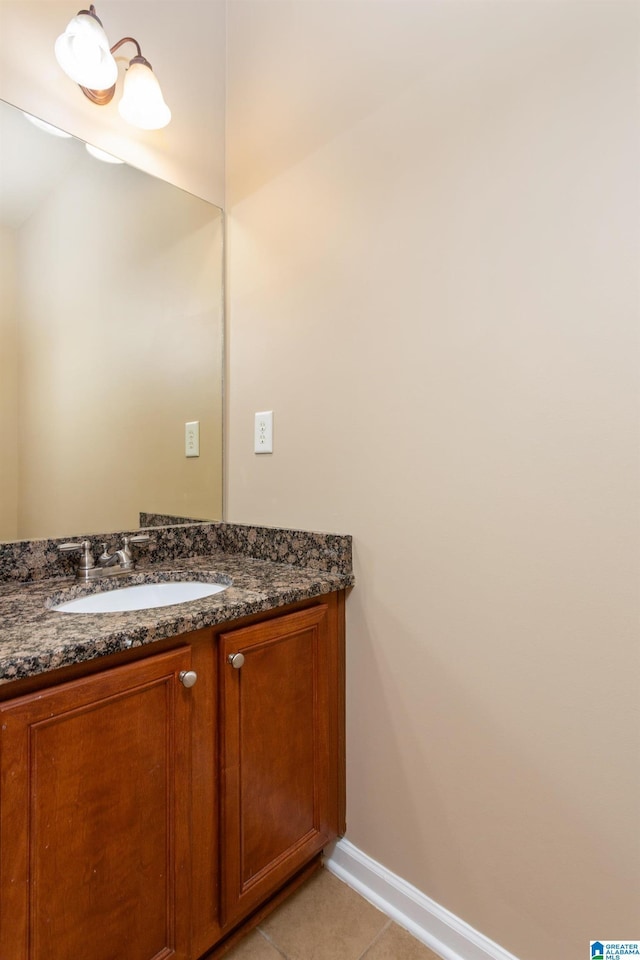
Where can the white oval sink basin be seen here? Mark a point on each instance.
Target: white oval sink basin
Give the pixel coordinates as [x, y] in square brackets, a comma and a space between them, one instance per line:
[142, 596]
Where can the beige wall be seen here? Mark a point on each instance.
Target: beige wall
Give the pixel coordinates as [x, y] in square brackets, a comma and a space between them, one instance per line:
[8, 388]
[184, 40]
[120, 346]
[433, 254]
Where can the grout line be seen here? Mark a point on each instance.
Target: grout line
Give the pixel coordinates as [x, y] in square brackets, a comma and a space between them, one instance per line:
[272, 942]
[375, 940]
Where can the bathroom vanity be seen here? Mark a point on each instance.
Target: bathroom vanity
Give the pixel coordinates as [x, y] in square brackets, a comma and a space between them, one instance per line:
[168, 776]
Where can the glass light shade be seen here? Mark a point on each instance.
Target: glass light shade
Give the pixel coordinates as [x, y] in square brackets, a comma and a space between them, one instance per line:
[47, 127]
[83, 53]
[101, 154]
[142, 104]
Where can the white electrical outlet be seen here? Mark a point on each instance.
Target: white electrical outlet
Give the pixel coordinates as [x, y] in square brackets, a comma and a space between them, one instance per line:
[263, 434]
[192, 439]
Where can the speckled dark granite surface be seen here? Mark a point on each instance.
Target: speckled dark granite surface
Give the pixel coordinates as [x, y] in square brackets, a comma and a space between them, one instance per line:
[298, 565]
[25, 560]
[165, 520]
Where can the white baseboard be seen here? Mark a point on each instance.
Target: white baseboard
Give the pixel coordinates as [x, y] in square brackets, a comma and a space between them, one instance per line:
[441, 931]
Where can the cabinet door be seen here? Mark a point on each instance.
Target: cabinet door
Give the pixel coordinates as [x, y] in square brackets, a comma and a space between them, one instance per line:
[275, 751]
[94, 839]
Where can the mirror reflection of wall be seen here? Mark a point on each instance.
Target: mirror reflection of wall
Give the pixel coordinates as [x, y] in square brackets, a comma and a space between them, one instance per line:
[110, 341]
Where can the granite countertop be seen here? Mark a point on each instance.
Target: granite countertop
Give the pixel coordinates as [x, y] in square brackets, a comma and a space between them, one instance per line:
[35, 639]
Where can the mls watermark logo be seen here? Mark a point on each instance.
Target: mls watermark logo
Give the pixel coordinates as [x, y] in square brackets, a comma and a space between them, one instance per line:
[614, 949]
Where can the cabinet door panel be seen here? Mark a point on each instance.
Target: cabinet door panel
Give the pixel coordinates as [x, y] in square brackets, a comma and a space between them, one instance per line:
[93, 819]
[275, 754]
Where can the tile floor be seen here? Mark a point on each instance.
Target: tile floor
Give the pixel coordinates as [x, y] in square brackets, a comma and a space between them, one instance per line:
[327, 920]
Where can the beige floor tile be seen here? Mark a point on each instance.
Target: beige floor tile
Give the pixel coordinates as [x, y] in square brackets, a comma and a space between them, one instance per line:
[324, 920]
[396, 944]
[253, 947]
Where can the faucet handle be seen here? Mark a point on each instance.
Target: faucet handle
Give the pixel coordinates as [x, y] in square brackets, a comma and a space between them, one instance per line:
[86, 561]
[68, 547]
[125, 554]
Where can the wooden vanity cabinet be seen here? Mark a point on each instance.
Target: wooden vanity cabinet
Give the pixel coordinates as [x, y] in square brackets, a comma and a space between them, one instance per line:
[142, 820]
[94, 812]
[278, 795]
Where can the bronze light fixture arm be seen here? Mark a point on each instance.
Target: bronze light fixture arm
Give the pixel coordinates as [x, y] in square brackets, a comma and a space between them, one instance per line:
[84, 53]
[105, 96]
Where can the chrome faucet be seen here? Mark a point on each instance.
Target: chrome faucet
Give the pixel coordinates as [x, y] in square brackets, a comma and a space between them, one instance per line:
[109, 564]
[124, 556]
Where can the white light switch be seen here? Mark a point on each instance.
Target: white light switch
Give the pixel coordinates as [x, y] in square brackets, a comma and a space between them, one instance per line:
[263, 436]
[192, 439]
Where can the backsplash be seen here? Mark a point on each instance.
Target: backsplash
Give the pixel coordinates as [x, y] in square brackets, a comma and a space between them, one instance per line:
[27, 560]
[166, 520]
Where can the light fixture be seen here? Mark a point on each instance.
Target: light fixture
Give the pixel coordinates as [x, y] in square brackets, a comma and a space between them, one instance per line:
[99, 154]
[84, 54]
[47, 127]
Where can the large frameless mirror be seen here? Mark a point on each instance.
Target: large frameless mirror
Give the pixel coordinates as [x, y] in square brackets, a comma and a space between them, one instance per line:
[111, 341]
